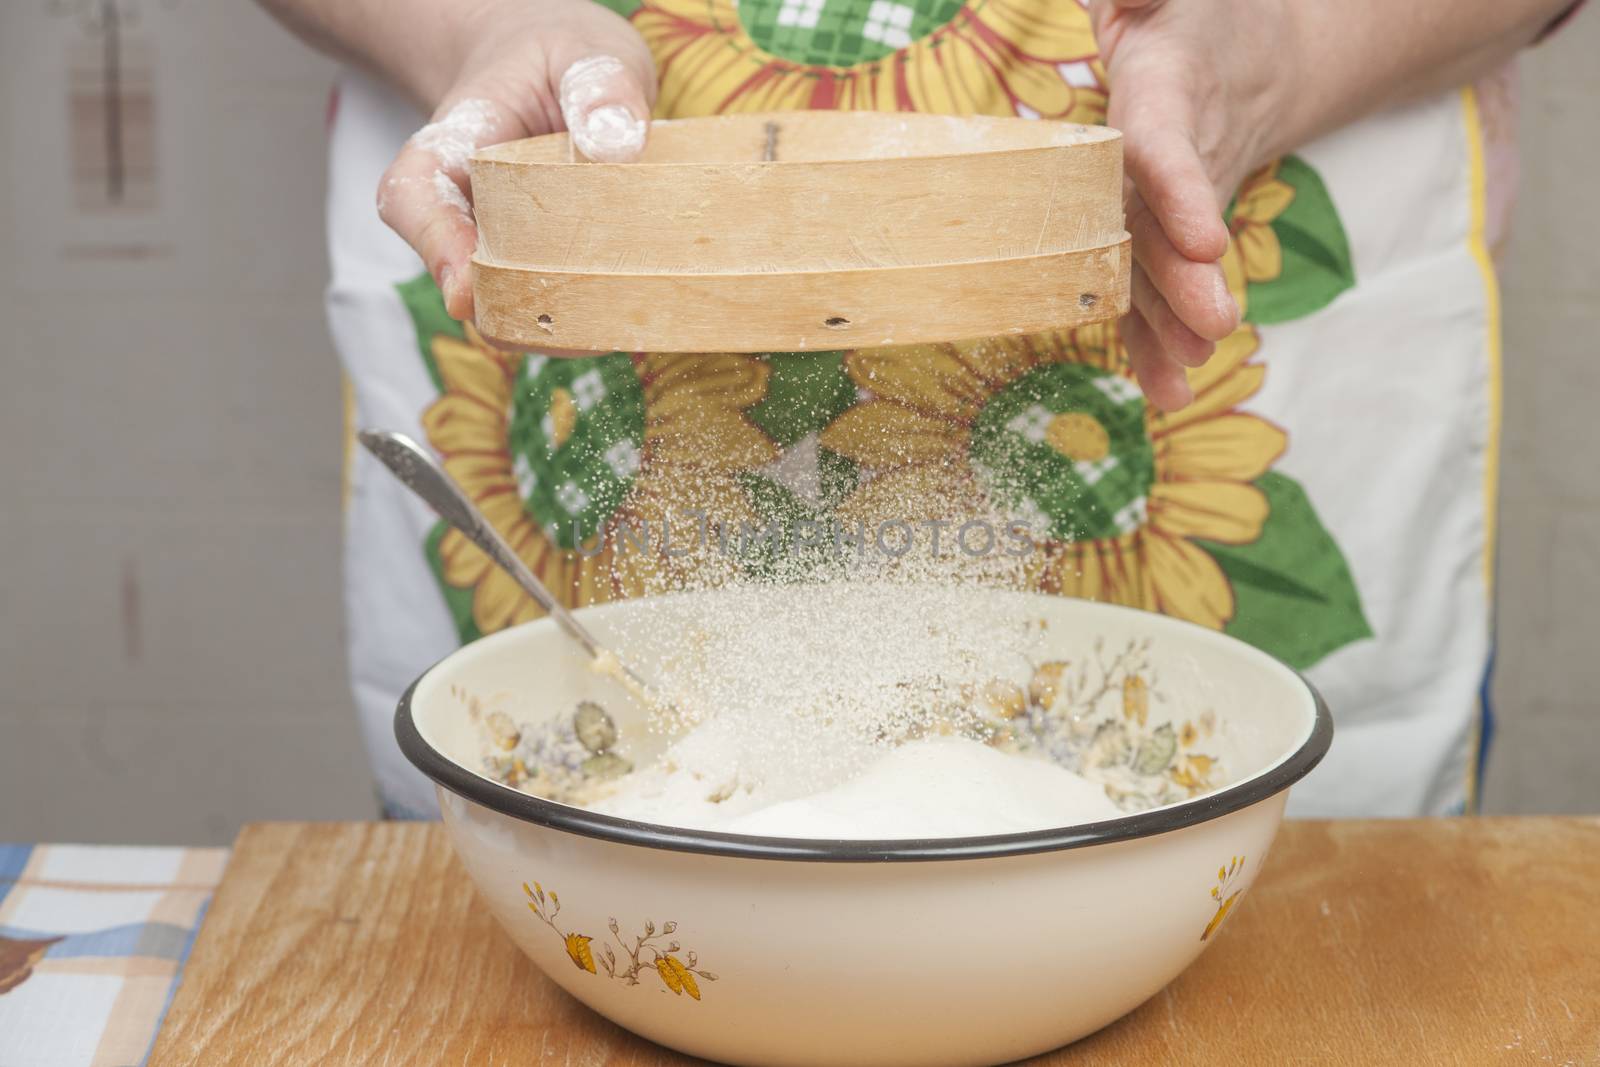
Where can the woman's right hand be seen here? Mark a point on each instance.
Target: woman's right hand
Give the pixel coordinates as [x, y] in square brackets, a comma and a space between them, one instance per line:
[517, 69]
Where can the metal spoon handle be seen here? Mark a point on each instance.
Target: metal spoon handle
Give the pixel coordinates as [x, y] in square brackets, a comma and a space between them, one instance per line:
[422, 474]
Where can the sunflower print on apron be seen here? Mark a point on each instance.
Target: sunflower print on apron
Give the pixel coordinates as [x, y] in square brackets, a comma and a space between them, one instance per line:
[1182, 514]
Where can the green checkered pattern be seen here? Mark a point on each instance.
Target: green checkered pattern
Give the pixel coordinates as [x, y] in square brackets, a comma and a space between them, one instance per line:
[1066, 499]
[841, 33]
[572, 489]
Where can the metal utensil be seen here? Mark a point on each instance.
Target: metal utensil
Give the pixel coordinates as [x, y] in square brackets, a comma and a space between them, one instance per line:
[423, 475]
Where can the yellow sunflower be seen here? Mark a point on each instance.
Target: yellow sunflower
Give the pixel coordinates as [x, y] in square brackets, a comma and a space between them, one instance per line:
[993, 57]
[696, 439]
[1123, 491]
[1254, 253]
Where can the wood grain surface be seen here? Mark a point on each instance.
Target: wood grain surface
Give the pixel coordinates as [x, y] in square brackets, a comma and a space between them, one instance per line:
[860, 230]
[801, 312]
[1467, 941]
[847, 190]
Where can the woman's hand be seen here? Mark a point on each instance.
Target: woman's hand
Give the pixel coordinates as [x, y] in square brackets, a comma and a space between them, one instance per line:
[1206, 91]
[516, 69]
[1193, 85]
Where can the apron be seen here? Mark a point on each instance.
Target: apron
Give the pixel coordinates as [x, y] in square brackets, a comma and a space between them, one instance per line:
[1328, 497]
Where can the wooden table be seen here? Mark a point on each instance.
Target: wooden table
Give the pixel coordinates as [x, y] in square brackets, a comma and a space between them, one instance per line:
[1464, 941]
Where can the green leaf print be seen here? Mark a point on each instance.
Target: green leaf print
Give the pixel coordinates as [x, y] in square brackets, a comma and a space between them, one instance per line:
[1316, 254]
[576, 436]
[780, 558]
[806, 531]
[426, 306]
[837, 476]
[1294, 594]
[805, 392]
[459, 601]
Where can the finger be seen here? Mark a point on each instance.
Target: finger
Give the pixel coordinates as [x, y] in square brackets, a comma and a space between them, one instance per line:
[1178, 341]
[421, 203]
[1161, 159]
[1163, 381]
[1197, 292]
[606, 108]
[423, 195]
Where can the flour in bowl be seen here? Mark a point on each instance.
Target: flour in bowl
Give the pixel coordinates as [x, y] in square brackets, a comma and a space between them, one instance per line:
[873, 712]
[928, 788]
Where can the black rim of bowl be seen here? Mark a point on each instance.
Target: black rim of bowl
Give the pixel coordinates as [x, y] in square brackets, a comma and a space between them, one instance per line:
[527, 808]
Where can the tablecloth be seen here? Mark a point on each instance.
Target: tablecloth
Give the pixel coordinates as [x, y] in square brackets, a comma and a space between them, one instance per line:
[92, 941]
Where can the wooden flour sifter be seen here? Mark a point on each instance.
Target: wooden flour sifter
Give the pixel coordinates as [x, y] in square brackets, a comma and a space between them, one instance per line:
[802, 231]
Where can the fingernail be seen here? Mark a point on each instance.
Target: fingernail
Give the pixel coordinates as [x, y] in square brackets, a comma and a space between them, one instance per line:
[448, 290]
[1227, 306]
[1182, 396]
[610, 134]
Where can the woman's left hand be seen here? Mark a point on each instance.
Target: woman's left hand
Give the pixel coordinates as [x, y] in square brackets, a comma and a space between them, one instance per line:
[1207, 91]
[1193, 84]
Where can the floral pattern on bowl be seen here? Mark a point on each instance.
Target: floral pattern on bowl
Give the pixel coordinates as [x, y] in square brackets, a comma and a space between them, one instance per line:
[652, 951]
[1090, 714]
[1224, 894]
[571, 758]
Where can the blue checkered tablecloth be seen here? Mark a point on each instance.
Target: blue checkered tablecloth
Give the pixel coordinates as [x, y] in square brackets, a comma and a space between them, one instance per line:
[92, 940]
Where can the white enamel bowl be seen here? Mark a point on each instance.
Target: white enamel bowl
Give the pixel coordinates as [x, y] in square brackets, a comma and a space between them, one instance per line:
[867, 953]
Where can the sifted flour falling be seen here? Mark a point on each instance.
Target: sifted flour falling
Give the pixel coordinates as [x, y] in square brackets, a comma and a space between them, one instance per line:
[866, 705]
[851, 716]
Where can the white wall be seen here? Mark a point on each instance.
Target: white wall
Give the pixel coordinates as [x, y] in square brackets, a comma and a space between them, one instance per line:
[170, 631]
[1547, 688]
[170, 635]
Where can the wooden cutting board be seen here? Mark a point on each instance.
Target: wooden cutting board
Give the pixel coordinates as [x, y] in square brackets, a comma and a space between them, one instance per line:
[1471, 941]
